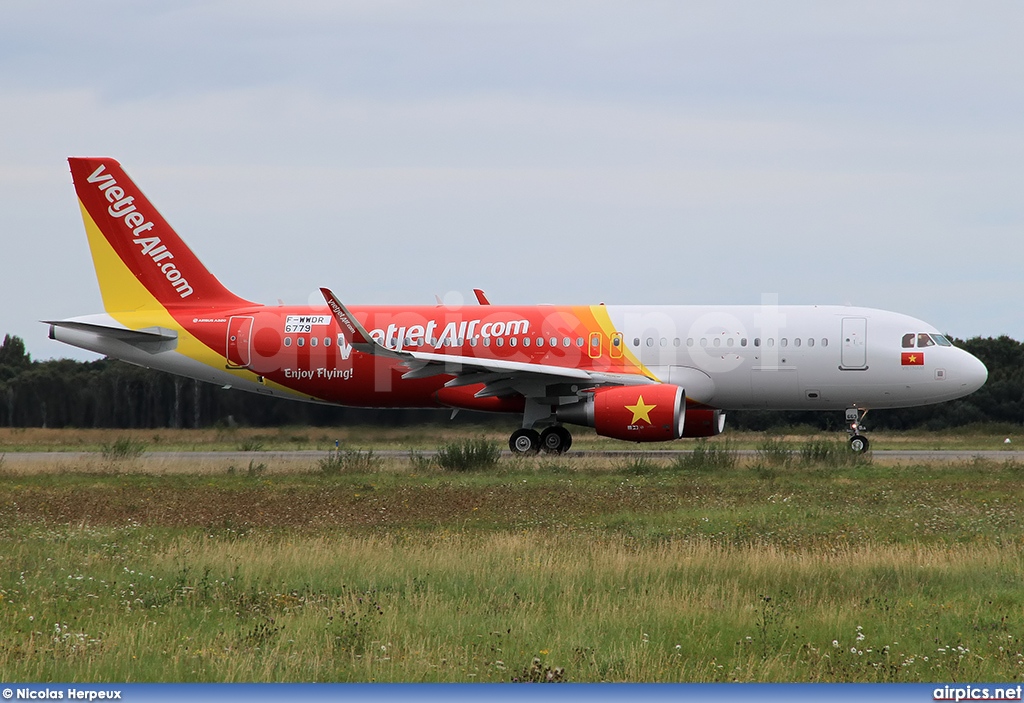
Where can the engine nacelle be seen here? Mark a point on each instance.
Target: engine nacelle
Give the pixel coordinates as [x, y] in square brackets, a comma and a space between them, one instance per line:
[704, 422]
[634, 413]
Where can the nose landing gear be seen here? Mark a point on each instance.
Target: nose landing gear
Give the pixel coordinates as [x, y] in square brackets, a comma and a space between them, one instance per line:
[858, 442]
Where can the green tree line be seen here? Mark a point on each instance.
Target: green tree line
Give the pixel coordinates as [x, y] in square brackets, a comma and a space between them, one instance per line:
[111, 393]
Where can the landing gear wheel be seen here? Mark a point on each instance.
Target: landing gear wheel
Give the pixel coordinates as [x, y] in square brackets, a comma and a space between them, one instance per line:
[854, 426]
[858, 443]
[555, 440]
[524, 442]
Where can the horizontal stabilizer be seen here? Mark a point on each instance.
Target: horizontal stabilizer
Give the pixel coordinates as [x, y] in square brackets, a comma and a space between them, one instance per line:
[151, 339]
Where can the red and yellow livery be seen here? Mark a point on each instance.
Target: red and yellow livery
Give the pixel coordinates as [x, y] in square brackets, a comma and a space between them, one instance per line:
[636, 373]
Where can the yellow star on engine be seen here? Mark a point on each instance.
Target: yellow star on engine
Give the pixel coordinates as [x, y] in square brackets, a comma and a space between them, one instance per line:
[640, 410]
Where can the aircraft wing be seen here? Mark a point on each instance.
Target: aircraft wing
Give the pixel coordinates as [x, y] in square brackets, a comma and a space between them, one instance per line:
[499, 376]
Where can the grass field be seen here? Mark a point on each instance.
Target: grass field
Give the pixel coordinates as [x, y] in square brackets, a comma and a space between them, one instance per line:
[792, 565]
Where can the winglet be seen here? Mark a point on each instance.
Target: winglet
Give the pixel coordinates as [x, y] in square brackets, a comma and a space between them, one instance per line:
[354, 331]
[480, 297]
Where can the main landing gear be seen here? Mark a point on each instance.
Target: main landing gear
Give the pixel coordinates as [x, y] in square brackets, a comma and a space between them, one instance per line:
[858, 442]
[553, 440]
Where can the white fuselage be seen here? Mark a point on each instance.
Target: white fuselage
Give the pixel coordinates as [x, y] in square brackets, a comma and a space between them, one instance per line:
[793, 357]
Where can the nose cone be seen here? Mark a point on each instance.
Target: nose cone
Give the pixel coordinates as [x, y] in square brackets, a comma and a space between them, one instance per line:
[971, 373]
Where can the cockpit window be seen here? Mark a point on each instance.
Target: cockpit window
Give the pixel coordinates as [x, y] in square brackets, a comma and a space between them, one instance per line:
[924, 339]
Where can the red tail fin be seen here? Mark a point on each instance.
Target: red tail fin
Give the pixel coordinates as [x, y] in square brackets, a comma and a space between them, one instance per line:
[121, 221]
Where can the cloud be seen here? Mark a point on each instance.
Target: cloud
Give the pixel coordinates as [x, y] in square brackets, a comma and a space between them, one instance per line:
[669, 152]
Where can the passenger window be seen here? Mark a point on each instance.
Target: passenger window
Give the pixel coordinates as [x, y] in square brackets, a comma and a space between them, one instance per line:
[636, 341]
[554, 341]
[771, 342]
[579, 342]
[312, 341]
[743, 342]
[287, 341]
[689, 341]
[729, 342]
[703, 341]
[716, 342]
[796, 342]
[472, 342]
[783, 342]
[526, 341]
[327, 341]
[908, 340]
[301, 341]
[757, 341]
[650, 341]
[810, 341]
[512, 342]
[675, 342]
[925, 340]
[824, 341]
[500, 341]
[566, 341]
[540, 341]
[487, 341]
[664, 342]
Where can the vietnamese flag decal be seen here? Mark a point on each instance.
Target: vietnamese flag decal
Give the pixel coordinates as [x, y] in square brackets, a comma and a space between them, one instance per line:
[912, 359]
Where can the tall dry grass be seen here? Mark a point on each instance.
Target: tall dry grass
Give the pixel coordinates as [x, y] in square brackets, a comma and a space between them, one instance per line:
[404, 572]
[132, 604]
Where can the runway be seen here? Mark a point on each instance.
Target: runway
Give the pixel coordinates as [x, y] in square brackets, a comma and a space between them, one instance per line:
[26, 459]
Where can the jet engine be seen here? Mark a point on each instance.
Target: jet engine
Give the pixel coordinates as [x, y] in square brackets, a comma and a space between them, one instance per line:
[704, 422]
[653, 413]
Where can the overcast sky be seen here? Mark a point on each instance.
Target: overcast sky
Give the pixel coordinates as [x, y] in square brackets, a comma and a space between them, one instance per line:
[864, 152]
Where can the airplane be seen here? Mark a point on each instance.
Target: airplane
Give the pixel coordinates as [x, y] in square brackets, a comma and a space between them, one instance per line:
[638, 373]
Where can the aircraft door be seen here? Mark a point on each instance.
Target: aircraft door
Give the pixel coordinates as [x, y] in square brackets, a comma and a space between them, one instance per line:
[855, 336]
[239, 350]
